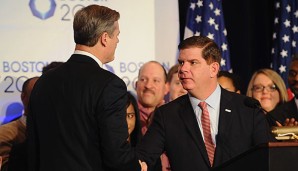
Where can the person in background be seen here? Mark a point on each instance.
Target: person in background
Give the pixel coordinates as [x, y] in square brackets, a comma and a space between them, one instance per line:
[13, 133]
[77, 118]
[229, 81]
[151, 89]
[287, 113]
[268, 88]
[51, 66]
[133, 120]
[175, 87]
[193, 139]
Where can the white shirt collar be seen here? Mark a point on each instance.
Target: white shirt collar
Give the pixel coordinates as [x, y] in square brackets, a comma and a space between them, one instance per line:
[212, 100]
[90, 55]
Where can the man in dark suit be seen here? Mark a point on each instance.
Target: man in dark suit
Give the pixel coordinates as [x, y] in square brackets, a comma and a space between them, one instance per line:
[209, 125]
[287, 113]
[77, 118]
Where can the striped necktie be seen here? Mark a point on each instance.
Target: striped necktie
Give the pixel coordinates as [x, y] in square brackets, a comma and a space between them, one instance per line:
[207, 132]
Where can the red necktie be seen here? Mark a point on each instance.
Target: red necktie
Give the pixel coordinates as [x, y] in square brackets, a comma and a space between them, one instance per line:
[206, 131]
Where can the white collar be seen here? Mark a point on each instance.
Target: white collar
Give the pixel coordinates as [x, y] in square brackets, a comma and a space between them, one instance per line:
[89, 55]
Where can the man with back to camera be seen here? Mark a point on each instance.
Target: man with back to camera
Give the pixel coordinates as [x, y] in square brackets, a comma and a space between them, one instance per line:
[77, 111]
[209, 125]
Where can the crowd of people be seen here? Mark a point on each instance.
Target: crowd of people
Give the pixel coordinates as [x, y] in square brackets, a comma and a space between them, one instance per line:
[81, 117]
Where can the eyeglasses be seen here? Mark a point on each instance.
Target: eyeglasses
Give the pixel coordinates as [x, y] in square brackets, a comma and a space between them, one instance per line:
[260, 88]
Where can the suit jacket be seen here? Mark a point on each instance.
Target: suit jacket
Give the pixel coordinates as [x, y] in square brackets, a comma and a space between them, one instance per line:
[18, 158]
[284, 111]
[175, 130]
[77, 119]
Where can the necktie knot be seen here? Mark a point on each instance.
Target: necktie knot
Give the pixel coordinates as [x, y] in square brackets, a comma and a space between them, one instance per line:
[203, 105]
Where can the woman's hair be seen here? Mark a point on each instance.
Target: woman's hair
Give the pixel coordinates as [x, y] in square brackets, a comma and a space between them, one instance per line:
[135, 135]
[173, 70]
[276, 79]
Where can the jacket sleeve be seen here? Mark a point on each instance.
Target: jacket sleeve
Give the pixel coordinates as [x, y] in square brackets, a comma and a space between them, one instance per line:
[113, 130]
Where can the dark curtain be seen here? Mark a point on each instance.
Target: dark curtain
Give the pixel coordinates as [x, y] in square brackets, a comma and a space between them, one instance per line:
[249, 24]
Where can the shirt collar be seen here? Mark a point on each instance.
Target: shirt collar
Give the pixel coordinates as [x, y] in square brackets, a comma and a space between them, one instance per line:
[212, 100]
[89, 55]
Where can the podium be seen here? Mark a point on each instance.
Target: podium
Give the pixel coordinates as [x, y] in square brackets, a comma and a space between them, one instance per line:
[273, 156]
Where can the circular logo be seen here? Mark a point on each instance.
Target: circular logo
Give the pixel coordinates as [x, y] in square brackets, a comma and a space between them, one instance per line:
[42, 9]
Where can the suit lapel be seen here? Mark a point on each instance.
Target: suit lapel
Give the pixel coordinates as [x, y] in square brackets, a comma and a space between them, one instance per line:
[188, 117]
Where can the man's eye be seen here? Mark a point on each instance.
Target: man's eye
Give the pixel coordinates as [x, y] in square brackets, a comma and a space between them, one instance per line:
[194, 62]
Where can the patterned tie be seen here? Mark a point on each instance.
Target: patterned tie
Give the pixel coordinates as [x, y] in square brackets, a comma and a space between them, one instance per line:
[206, 131]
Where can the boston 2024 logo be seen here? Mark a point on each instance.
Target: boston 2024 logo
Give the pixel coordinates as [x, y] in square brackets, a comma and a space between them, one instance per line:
[42, 9]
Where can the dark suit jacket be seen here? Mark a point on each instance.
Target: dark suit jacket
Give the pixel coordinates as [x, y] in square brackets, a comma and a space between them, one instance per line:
[77, 119]
[175, 130]
[285, 110]
[18, 158]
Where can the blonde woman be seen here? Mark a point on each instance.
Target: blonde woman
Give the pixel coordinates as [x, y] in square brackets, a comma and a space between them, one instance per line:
[268, 88]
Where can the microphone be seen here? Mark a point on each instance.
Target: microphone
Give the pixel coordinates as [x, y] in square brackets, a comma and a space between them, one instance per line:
[253, 103]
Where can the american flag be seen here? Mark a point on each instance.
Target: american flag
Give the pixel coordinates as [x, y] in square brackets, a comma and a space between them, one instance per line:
[285, 36]
[205, 17]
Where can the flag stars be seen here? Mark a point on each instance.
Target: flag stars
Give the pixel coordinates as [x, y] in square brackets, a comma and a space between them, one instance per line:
[296, 13]
[198, 33]
[211, 21]
[282, 68]
[225, 32]
[274, 35]
[222, 62]
[216, 26]
[198, 19]
[210, 36]
[217, 12]
[287, 23]
[295, 29]
[224, 47]
[284, 53]
[192, 6]
[200, 3]
[272, 51]
[276, 20]
[211, 6]
[277, 5]
[286, 38]
[293, 43]
[288, 8]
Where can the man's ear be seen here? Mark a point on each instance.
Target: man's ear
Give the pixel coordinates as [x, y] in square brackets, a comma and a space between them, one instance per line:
[214, 69]
[167, 88]
[104, 39]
